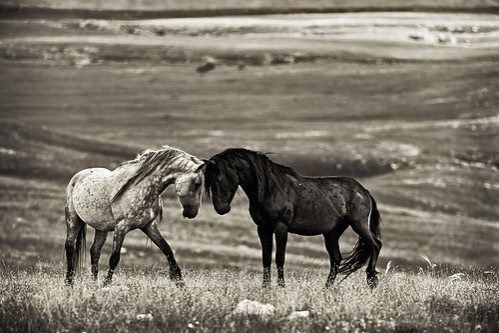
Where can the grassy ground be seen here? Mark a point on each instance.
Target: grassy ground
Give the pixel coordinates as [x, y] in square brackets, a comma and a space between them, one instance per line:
[39, 301]
[420, 133]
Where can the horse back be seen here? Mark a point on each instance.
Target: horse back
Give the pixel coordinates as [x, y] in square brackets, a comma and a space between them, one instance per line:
[346, 190]
[323, 202]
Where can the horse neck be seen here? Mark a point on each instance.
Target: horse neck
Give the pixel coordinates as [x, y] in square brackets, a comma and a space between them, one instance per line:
[250, 186]
[159, 180]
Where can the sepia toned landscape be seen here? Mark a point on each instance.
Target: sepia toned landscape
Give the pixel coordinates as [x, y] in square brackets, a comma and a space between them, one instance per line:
[405, 102]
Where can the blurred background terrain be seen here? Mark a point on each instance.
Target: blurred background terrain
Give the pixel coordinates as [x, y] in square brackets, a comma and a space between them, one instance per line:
[402, 95]
[405, 101]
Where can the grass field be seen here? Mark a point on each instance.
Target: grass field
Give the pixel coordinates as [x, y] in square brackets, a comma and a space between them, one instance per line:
[415, 119]
[146, 302]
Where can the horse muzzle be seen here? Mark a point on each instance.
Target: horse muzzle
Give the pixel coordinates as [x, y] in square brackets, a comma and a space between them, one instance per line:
[223, 210]
[188, 214]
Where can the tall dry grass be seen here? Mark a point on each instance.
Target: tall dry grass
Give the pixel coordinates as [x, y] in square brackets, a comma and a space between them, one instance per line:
[145, 301]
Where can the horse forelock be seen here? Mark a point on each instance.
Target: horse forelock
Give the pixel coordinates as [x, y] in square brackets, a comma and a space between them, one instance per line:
[267, 174]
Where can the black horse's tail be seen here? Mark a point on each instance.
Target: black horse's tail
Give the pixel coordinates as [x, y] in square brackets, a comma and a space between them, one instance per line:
[375, 221]
[364, 248]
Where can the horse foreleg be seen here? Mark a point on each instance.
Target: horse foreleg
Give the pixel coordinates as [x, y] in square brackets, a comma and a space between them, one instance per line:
[152, 231]
[281, 238]
[95, 251]
[119, 236]
[265, 236]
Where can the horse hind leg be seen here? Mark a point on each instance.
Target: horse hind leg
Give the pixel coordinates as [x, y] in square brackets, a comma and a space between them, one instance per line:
[371, 246]
[331, 241]
[333, 249]
[372, 278]
[75, 239]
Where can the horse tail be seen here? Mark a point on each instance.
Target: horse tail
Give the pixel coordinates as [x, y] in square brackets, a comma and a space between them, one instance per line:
[375, 220]
[366, 244]
[81, 247]
[70, 216]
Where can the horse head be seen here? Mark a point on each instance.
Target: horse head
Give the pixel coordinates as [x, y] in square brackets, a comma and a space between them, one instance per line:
[189, 189]
[222, 183]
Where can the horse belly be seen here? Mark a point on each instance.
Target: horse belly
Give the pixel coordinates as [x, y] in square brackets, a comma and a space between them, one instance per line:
[313, 218]
[91, 199]
[311, 225]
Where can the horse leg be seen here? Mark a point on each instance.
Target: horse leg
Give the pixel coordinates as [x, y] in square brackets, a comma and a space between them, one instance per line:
[331, 240]
[152, 231]
[95, 251]
[362, 229]
[265, 236]
[73, 226]
[372, 279]
[281, 238]
[333, 249]
[70, 246]
[119, 236]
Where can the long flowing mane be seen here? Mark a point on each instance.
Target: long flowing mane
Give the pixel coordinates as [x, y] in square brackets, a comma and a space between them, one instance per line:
[150, 160]
[267, 174]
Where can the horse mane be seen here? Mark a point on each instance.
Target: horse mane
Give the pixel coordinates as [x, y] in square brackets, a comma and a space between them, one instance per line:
[149, 160]
[266, 173]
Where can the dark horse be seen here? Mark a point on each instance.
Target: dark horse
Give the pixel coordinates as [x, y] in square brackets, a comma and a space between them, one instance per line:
[282, 201]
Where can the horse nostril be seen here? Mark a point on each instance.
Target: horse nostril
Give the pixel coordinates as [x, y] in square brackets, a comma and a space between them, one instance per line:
[189, 215]
[223, 211]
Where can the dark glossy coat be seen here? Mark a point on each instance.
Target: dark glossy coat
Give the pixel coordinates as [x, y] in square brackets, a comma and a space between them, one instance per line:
[283, 201]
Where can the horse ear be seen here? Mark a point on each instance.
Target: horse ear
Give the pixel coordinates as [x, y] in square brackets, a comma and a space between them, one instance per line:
[201, 167]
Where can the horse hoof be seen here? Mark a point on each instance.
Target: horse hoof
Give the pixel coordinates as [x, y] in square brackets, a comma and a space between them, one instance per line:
[372, 281]
[179, 283]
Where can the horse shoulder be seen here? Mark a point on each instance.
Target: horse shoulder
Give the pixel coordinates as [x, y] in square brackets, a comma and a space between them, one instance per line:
[138, 203]
[278, 206]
